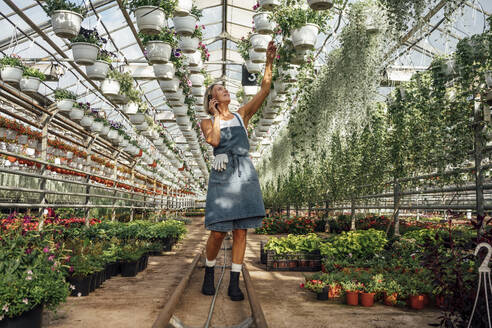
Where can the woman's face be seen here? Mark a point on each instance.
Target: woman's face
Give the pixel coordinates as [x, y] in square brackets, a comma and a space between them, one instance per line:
[220, 93]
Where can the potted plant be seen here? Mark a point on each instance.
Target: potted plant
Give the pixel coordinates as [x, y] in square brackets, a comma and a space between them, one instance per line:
[65, 99]
[99, 70]
[391, 290]
[243, 46]
[319, 287]
[369, 290]
[257, 57]
[197, 79]
[352, 289]
[97, 125]
[159, 46]
[320, 4]
[132, 106]
[111, 85]
[269, 5]
[262, 21]
[188, 44]
[185, 25]
[413, 289]
[78, 110]
[164, 71]
[31, 79]
[66, 17]
[259, 42]
[88, 119]
[86, 45]
[183, 7]
[169, 85]
[152, 14]
[11, 69]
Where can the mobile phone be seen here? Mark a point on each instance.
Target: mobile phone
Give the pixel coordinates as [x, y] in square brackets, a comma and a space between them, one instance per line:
[210, 98]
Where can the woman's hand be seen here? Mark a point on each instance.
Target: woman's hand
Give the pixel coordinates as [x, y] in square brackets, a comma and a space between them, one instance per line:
[271, 52]
[213, 106]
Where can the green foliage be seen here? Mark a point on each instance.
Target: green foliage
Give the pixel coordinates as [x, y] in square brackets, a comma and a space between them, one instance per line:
[195, 11]
[355, 244]
[166, 35]
[65, 94]
[33, 72]
[294, 244]
[13, 61]
[125, 79]
[168, 6]
[52, 5]
[244, 45]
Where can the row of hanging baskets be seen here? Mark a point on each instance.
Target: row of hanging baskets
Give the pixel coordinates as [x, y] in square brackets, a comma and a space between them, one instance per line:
[270, 5]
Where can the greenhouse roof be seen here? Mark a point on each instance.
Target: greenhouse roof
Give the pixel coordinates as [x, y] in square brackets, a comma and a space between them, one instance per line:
[27, 32]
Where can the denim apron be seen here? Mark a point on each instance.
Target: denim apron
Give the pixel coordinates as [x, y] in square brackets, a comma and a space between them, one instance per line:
[234, 199]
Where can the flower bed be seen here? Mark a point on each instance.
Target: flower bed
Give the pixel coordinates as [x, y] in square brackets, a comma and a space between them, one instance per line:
[281, 224]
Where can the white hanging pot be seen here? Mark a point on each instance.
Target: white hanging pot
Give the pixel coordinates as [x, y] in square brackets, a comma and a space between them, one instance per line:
[30, 84]
[183, 120]
[183, 8]
[66, 24]
[266, 122]
[112, 134]
[142, 127]
[193, 59]
[76, 114]
[120, 99]
[185, 25]
[96, 126]
[269, 4]
[305, 37]
[185, 128]
[280, 87]
[169, 85]
[320, 4]
[488, 78]
[187, 44]
[279, 99]
[177, 102]
[64, 105]
[289, 75]
[198, 91]
[138, 118]
[158, 142]
[199, 100]
[150, 19]
[11, 74]
[299, 57]
[174, 95]
[87, 121]
[164, 71]
[158, 52]
[263, 24]
[130, 108]
[197, 68]
[105, 130]
[110, 87]
[84, 53]
[252, 67]
[197, 80]
[98, 70]
[259, 42]
[257, 57]
[180, 111]
[124, 142]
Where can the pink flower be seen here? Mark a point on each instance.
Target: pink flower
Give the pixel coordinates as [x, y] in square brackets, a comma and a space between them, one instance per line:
[51, 258]
[203, 27]
[301, 285]
[71, 269]
[46, 249]
[196, 26]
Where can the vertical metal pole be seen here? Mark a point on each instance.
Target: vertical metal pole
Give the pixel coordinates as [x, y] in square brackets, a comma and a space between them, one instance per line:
[132, 181]
[90, 143]
[115, 176]
[352, 215]
[396, 207]
[479, 147]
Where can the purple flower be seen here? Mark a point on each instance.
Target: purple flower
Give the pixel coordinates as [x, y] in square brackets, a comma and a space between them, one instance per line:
[28, 251]
[71, 269]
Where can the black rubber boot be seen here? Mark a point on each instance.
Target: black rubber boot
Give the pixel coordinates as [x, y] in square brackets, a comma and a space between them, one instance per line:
[234, 292]
[208, 287]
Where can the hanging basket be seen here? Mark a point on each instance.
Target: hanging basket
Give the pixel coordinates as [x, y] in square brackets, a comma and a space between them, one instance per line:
[174, 95]
[183, 120]
[199, 101]
[193, 59]
[98, 71]
[112, 134]
[76, 114]
[320, 4]
[110, 87]
[142, 127]
[158, 52]
[130, 108]
[180, 111]
[87, 121]
[11, 74]
[197, 80]
[185, 25]
[105, 130]
[197, 68]
[253, 68]
[183, 8]
[96, 126]
[177, 102]
[138, 118]
[124, 142]
[269, 4]
[84, 53]
[120, 99]
[280, 87]
[259, 42]
[305, 37]
[198, 91]
[150, 19]
[30, 84]
[66, 24]
[164, 71]
[187, 44]
[169, 85]
[257, 57]
[299, 57]
[263, 24]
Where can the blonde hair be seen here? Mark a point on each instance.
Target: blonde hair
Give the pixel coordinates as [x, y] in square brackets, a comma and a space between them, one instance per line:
[205, 99]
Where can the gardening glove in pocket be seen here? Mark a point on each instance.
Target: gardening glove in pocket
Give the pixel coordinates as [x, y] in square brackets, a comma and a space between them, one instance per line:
[220, 162]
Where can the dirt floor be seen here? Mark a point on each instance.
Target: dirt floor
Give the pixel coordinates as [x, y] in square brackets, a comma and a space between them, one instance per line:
[136, 302]
[285, 304]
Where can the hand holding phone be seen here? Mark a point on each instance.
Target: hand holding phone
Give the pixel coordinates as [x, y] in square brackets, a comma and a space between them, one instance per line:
[213, 105]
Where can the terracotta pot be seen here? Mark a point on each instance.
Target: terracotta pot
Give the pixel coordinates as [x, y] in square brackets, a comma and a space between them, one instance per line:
[367, 299]
[426, 299]
[390, 300]
[417, 302]
[282, 264]
[352, 298]
[439, 301]
[292, 264]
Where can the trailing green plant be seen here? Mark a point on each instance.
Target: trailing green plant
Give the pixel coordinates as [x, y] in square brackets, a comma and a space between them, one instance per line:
[169, 6]
[89, 36]
[12, 61]
[50, 6]
[244, 45]
[33, 72]
[106, 56]
[65, 94]
[124, 78]
[166, 35]
[196, 11]
[198, 32]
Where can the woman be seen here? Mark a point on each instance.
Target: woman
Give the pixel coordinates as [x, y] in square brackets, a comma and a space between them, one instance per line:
[234, 200]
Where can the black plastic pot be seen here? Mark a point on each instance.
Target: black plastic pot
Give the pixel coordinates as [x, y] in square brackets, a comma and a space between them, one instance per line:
[82, 285]
[323, 296]
[146, 261]
[93, 282]
[97, 276]
[29, 319]
[129, 269]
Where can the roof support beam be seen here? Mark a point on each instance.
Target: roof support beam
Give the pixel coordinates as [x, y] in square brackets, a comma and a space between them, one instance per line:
[224, 33]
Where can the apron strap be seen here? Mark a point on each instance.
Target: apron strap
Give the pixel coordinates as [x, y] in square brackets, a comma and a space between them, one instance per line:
[240, 122]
